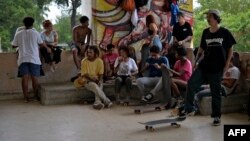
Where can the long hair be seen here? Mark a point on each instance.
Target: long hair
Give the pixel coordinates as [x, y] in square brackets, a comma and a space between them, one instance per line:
[150, 19]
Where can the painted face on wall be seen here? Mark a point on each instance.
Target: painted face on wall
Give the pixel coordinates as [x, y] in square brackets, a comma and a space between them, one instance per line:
[158, 2]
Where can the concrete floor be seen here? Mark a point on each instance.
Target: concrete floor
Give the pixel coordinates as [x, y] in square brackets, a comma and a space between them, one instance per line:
[33, 122]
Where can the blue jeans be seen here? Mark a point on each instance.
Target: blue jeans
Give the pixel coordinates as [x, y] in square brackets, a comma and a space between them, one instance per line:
[157, 42]
[198, 78]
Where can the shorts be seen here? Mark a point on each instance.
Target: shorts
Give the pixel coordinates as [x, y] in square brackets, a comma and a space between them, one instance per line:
[74, 46]
[29, 69]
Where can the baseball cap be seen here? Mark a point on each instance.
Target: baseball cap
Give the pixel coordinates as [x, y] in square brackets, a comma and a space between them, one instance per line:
[213, 11]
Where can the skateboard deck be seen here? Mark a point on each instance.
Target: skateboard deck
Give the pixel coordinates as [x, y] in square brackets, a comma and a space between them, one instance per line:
[148, 107]
[173, 122]
[130, 103]
[166, 83]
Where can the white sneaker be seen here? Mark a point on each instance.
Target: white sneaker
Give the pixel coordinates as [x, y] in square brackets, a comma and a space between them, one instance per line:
[98, 106]
[109, 104]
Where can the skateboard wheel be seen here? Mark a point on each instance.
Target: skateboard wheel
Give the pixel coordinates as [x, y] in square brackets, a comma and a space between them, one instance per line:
[151, 129]
[173, 124]
[177, 125]
[158, 108]
[146, 127]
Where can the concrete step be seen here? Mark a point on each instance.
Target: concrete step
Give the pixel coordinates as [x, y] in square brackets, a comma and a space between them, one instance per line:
[66, 93]
[230, 104]
[10, 96]
[14, 95]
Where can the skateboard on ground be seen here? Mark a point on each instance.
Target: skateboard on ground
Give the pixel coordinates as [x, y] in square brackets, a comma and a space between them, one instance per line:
[149, 107]
[130, 103]
[173, 122]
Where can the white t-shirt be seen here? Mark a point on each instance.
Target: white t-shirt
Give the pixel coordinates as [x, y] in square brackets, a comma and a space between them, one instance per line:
[231, 73]
[125, 68]
[27, 41]
[49, 39]
[21, 28]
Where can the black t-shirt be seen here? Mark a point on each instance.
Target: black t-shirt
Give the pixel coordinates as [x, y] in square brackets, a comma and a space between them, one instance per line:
[182, 32]
[215, 46]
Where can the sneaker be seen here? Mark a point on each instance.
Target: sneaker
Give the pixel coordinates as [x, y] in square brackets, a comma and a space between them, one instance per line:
[183, 112]
[216, 121]
[98, 106]
[173, 103]
[147, 98]
[109, 104]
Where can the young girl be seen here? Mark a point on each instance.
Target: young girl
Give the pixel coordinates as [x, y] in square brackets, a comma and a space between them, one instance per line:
[51, 54]
[125, 67]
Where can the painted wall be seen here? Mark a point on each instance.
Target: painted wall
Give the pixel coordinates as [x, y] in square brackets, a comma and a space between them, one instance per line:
[112, 24]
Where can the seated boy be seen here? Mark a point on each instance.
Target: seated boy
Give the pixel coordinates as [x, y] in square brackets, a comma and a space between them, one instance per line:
[109, 61]
[228, 84]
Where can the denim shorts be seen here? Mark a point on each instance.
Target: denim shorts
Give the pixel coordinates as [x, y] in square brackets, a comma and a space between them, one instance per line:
[29, 69]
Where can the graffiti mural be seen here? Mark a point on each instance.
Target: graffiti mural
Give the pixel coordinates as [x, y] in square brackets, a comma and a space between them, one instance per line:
[120, 27]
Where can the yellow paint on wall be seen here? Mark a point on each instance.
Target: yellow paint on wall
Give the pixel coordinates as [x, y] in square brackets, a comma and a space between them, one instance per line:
[186, 5]
[102, 5]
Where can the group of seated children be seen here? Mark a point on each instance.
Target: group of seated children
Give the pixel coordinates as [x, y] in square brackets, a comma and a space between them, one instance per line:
[122, 68]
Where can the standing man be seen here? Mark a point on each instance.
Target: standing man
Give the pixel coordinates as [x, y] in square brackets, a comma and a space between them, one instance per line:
[182, 36]
[216, 49]
[28, 41]
[81, 39]
[182, 31]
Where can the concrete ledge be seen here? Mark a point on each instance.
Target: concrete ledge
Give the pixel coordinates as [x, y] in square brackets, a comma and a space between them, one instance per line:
[66, 93]
[10, 96]
[231, 103]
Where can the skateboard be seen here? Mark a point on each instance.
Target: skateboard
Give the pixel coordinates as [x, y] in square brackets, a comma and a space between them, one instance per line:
[147, 107]
[166, 83]
[132, 103]
[173, 122]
